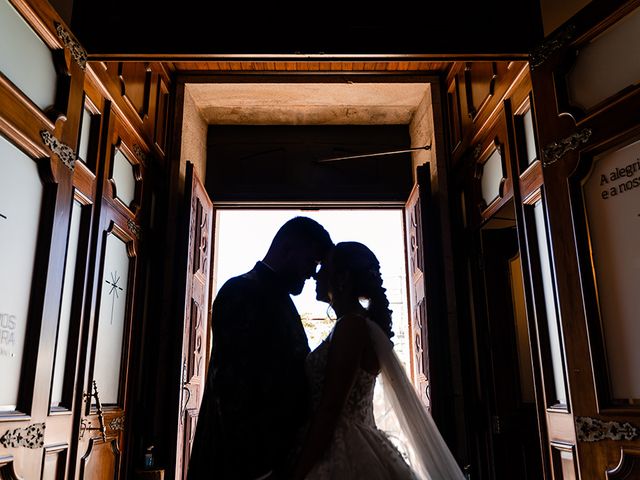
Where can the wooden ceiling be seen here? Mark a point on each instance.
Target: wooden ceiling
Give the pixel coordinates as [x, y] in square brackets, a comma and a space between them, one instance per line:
[310, 66]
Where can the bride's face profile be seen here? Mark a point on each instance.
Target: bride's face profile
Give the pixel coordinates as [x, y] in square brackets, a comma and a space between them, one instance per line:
[322, 282]
[332, 286]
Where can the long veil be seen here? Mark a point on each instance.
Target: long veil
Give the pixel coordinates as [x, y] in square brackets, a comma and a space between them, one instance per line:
[428, 453]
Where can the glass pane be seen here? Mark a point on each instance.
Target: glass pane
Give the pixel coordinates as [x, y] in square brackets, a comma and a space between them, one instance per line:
[550, 306]
[612, 201]
[124, 178]
[20, 201]
[608, 64]
[85, 133]
[530, 137]
[65, 309]
[111, 319]
[25, 59]
[492, 175]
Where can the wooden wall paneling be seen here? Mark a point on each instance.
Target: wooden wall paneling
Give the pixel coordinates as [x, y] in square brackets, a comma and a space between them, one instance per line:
[7, 468]
[114, 418]
[54, 460]
[490, 126]
[161, 117]
[132, 87]
[531, 180]
[119, 128]
[605, 142]
[22, 122]
[122, 143]
[49, 138]
[138, 223]
[565, 465]
[45, 23]
[482, 87]
[547, 395]
[579, 32]
[480, 84]
[567, 142]
[135, 85]
[494, 140]
[41, 324]
[516, 104]
[454, 114]
[629, 466]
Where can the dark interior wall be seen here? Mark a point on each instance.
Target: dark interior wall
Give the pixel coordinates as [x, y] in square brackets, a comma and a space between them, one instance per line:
[280, 163]
[64, 8]
[444, 27]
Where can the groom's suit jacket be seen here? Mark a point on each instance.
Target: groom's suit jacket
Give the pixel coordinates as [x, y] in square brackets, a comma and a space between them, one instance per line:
[255, 398]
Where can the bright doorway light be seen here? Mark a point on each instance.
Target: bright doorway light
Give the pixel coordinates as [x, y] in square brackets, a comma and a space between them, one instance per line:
[243, 237]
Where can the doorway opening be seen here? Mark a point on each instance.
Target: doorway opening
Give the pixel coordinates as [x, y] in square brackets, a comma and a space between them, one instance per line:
[243, 237]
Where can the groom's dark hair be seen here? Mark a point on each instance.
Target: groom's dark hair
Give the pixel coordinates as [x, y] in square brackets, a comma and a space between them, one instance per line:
[303, 230]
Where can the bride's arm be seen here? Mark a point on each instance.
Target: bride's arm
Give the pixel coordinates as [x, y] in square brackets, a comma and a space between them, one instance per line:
[344, 356]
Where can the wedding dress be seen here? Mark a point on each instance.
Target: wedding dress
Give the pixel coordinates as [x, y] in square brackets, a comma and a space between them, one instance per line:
[359, 450]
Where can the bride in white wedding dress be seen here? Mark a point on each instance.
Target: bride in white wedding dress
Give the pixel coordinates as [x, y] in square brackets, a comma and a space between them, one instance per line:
[342, 440]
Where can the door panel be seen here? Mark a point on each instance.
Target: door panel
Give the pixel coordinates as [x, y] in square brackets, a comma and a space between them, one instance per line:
[199, 215]
[587, 126]
[419, 344]
[101, 460]
[513, 422]
[36, 194]
[111, 341]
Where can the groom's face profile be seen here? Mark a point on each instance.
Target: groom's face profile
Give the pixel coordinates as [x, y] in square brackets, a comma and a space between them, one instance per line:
[304, 262]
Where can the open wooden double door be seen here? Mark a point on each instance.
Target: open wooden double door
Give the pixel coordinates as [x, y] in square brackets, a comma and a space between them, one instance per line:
[524, 319]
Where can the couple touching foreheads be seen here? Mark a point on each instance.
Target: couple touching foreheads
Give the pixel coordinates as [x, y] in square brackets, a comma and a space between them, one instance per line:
[274, 410]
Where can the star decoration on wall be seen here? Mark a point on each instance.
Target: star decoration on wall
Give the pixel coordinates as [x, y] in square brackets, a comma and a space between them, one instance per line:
[114, 290]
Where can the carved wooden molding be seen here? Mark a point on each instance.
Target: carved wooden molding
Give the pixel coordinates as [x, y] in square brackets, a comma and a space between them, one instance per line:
[28, 437]
[7, 468]
[137, 150]
[135, 229]
[593, 430]
[64, 152]
[117, 423]
[556, 150]
[540, 54]
[628, 467]
[78, 53]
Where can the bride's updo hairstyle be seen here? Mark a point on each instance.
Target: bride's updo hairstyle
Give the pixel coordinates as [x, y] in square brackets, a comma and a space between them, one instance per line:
[364, 268]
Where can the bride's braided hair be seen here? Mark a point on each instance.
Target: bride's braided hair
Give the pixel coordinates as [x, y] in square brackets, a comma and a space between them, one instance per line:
[364, 268]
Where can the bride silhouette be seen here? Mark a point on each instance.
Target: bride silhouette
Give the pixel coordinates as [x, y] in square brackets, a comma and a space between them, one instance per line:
[341, 440]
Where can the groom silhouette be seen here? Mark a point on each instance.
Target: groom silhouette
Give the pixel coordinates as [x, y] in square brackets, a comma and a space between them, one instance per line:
[255, 398]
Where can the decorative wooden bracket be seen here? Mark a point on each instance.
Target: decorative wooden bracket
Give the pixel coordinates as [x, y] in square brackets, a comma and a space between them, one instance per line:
[591, 429]
[78, 53]
[541, 53]
[28, 437]
[64, 152]
[556, 150]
